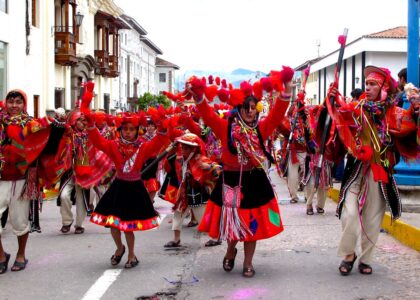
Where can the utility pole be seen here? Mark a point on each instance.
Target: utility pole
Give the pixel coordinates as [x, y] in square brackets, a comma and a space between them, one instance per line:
[410, 175]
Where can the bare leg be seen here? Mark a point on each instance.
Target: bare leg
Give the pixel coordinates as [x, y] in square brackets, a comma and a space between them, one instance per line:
[249, 249]
[2, 254]
[177, 235]
[230, 252]
[20, 256]
[129, 237]
[116, 235]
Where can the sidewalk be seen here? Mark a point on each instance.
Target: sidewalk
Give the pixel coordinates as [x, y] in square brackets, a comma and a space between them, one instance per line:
[406, 229]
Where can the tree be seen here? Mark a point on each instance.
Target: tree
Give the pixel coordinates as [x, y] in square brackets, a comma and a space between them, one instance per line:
[148, 100]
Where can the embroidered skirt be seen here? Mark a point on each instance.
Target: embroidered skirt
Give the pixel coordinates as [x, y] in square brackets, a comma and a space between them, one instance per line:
[259, 209]
[126, 205]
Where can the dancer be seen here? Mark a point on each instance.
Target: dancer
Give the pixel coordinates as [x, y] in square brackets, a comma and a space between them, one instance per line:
[243, 206]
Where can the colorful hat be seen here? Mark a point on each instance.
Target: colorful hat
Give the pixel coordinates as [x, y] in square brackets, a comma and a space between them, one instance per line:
[236, 96]
[191, 139]
[127, 117]
[382, 77]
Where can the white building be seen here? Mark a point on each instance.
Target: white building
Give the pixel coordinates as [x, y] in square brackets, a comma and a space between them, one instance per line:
[86, 52]
[27, 51]
[138, 63]
[387, 49]
[165, 79]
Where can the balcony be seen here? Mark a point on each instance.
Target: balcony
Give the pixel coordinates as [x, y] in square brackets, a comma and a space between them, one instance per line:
[65, 46]
[113, 66]
[102, 59]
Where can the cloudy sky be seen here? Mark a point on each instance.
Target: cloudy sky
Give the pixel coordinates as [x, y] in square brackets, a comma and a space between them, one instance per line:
[257, 34]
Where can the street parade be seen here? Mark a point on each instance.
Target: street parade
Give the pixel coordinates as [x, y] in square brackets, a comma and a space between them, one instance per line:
[223, 190]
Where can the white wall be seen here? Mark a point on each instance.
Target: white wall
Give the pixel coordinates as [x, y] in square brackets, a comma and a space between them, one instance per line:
[388, 53]
[32, 73]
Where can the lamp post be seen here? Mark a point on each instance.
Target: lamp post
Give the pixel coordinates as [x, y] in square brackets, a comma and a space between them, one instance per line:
[79, 19]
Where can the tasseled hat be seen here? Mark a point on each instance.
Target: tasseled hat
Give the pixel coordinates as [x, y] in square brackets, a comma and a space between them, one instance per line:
[127, 117]
[236, 96]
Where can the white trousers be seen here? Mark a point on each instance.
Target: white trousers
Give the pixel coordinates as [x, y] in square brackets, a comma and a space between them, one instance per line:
[66, 205]
[293, 175]
[372, 215]
[179, 217]
[321, 193]
[10, 196]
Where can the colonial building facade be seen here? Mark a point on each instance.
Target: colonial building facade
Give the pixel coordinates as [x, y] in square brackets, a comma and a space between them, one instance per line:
[50, 48]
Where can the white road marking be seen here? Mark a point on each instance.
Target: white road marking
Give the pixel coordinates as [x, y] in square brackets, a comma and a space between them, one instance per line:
[98, 289]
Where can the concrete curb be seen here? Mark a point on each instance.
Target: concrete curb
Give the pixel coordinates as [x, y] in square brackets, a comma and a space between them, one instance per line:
[405, 233]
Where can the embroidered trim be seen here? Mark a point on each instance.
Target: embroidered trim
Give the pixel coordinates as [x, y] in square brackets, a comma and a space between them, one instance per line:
[116, 222]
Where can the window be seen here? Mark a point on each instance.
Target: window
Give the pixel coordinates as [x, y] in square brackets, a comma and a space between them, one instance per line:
[3, 70]
[3, 6]
[59, 98]
[162, 77]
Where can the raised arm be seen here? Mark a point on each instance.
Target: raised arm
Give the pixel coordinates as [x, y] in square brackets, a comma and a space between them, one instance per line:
[211, 119]
[275, 117]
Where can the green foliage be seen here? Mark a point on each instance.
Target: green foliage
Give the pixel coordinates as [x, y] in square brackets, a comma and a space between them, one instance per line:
[148, 100]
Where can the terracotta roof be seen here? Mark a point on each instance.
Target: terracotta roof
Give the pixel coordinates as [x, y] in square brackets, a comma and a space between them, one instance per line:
[164, 63]
[393, 33]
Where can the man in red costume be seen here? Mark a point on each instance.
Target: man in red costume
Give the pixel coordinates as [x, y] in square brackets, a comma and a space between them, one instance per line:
[373, 130]
[15, 127]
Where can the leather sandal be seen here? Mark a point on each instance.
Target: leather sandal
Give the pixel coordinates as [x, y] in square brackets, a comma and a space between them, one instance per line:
[131, 263]
[212, 243]
[294, 200]
[228, 264]
[79, 230]
[19, 266]
[320, 210]
[365, 269]
[309, 210]
[347, 265]
[4, 264]
[192, 224]
[248, 272]
[66, 228]
[116, 259]
[172, 244]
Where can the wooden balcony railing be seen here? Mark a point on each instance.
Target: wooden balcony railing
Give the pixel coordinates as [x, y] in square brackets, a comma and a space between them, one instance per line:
[113, 66]
[102, 59]
[65, 46]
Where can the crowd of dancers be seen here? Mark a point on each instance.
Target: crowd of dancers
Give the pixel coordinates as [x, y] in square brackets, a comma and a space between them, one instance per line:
[215, 158]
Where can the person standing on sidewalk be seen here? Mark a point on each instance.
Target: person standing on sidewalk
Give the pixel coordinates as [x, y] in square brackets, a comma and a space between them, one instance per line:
[243, 206]
[373, 130]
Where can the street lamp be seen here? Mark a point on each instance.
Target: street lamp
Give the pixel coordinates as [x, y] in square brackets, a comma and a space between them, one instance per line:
[79, 19]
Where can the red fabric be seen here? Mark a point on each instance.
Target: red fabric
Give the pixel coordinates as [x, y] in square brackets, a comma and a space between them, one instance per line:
[152, 185]
[219, 127]
[261, 215]
[111, 148]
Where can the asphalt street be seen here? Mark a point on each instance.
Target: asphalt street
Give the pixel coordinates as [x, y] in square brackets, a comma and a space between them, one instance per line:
[300, 263]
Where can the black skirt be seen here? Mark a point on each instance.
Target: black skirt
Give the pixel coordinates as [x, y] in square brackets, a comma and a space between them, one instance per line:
[256, 188]
[126, 205]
